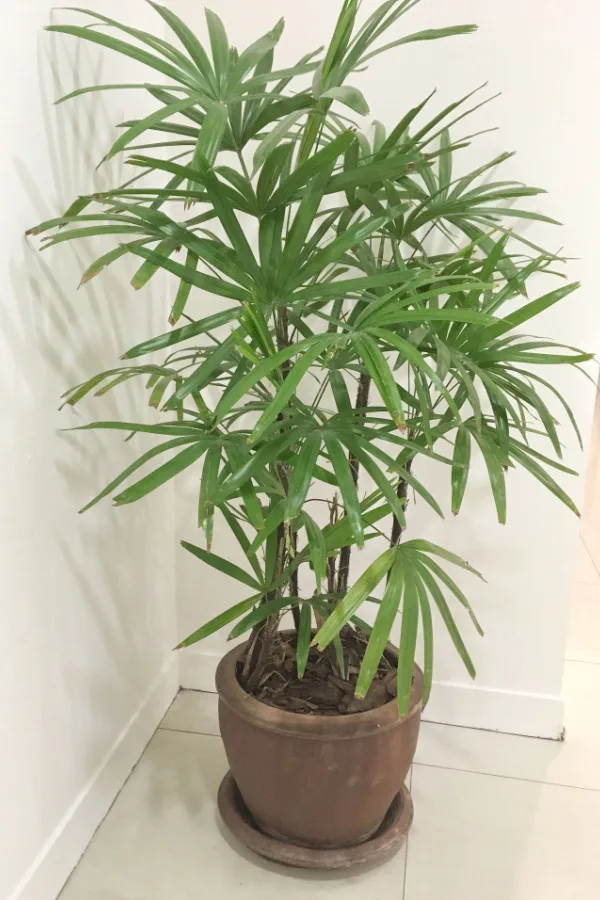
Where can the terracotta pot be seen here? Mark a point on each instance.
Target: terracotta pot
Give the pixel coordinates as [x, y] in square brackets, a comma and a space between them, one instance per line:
[315, 781]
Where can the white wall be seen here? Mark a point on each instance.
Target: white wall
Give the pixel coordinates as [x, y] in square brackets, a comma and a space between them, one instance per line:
[87, 601]
[543, 57]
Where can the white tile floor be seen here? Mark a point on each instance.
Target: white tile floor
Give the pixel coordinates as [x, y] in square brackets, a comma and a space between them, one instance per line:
[498, 817]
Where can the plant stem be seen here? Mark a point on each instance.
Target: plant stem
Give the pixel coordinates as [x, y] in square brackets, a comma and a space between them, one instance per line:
[362, 399]
[240, 156]
[402, 493]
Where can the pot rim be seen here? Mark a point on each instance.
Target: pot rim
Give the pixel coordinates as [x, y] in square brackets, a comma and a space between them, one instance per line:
[342, 727]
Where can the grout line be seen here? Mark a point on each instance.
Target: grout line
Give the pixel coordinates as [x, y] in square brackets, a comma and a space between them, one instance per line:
[528, 737]
[583, 662]
[410, 781]
[572, 787]
[189, 731]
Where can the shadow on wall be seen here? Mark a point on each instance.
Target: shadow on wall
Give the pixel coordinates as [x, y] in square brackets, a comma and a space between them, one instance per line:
[92, 615]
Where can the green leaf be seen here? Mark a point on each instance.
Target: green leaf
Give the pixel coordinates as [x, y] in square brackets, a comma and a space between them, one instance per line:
[148, 269]
[190, 42]
[142, 460]
[347, 486]
[428, 639]
[295, 243]
[147, 123]
[440, 601]
[349, 96]
[341, 37]
[495, 473]
[380, 634]
[177, 335]
[96, 231]
[273, 520]
[262, 612]
[360, 449]
[208, 483]
[272, 170]
[236, 392]
[198, 279]
[428, 547]
[102, 262]
[253, 54]
[220, 46]
[543, 477]
[287, 390]
[304, 635]
[429, 34]
[161, 475]
[383, 377]
[126, 49]
[307, 170]
[417, 360]
[242, 540]
[183, 429]
[346, 286]
[221, 202]
[317, 550]
[529, 311]
[443, 576]
[333, 251]
[408, 639]
[256, 462]
[224, 618]
[204, 373]
[445, 163]
[401, 129]
[360, 590]
[222, 565]
[275, 137]
[460, 468]
[211, 133]
[340, 391]
[302, 475]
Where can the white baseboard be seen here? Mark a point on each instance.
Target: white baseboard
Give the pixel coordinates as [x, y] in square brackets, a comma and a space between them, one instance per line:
[469, 706]
[61, 853]
[512, 712]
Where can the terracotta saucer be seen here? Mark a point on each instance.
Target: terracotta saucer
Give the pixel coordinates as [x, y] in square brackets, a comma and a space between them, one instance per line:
[389, 838]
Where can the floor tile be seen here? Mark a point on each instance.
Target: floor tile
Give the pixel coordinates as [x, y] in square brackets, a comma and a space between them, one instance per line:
[476, 837]
[585, 570]
[583, 640]
[576, 762]
[163, 839]
[193, 711]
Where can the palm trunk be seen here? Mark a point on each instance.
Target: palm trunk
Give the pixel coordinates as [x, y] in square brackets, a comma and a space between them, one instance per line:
[362, 399]
[262, 637]
[402, 493]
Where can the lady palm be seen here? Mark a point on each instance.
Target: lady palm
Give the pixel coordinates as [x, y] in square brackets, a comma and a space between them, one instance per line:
[344, 346]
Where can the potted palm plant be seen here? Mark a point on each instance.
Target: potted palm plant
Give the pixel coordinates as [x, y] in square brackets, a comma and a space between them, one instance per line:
[347, 345]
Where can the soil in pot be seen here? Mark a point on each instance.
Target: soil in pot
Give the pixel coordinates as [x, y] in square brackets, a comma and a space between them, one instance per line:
[322, 691]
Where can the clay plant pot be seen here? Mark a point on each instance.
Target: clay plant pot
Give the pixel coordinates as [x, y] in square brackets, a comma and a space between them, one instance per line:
[324, 782]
